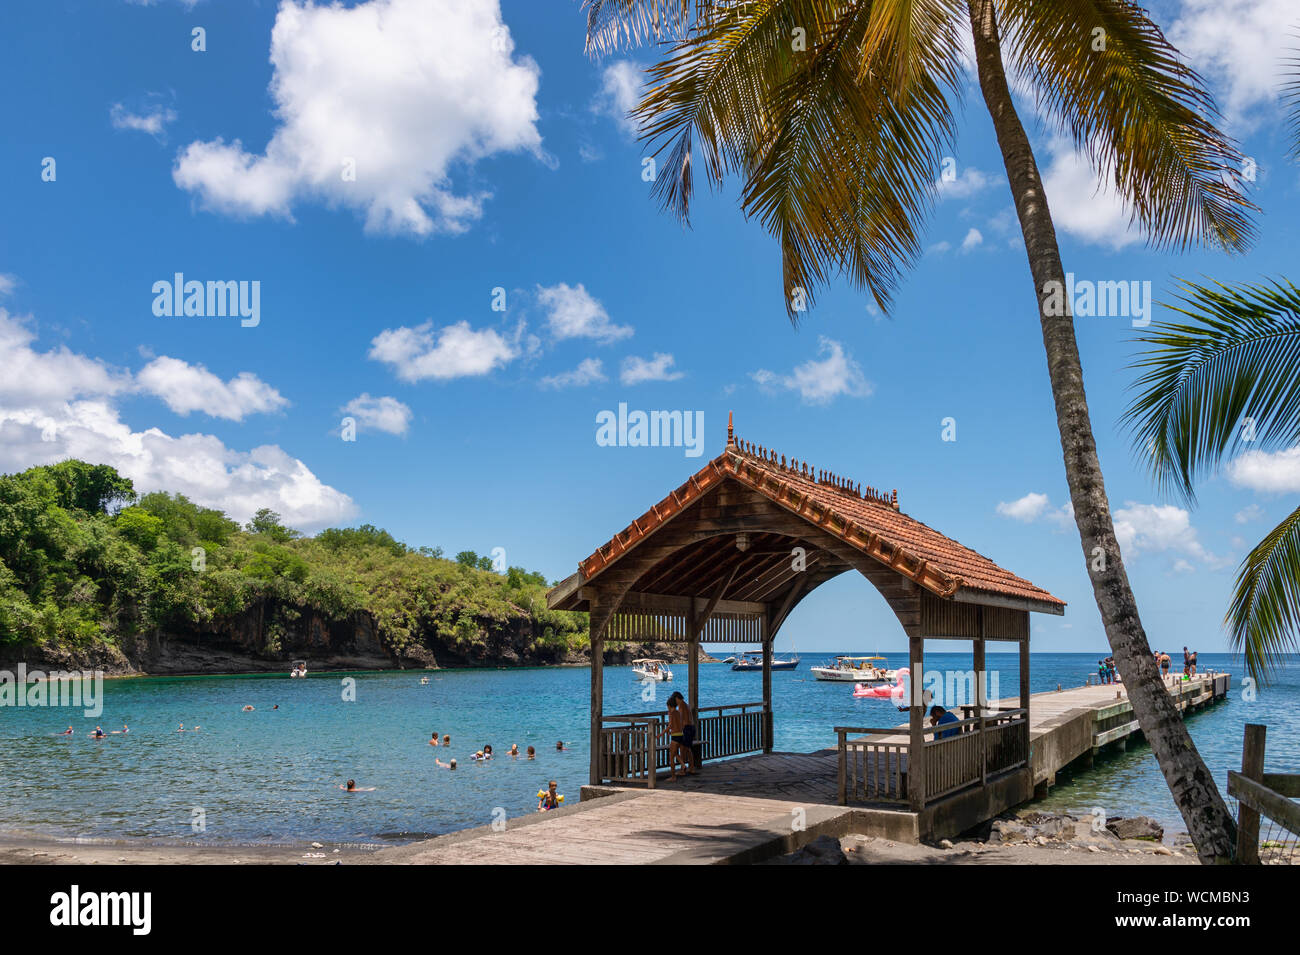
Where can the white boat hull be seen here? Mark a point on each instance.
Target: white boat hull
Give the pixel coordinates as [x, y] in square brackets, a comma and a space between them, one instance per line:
[647, 677]
[835, 675]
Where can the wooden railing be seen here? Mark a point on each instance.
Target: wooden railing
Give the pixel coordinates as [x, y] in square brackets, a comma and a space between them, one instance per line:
[873, 767]
[1268, 795]
[634, 746]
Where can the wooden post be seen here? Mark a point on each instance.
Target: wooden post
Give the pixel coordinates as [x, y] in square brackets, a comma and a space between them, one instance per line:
[1024, 676]
[767, 688]
[598, 616]
[981, 696]
[693, 676]
[1252, 767]
[916, 725]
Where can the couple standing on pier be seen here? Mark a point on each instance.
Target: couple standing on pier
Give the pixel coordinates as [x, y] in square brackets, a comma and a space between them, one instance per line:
[681, 735]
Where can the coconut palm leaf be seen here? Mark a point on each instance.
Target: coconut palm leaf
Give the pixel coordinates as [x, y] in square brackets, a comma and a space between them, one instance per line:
[1238, 359]
[837, 170]
[1265, 614]
[1143, 117]
[1291, 97]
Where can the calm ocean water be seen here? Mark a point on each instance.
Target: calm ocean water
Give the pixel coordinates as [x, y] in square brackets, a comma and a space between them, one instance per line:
[270, 776]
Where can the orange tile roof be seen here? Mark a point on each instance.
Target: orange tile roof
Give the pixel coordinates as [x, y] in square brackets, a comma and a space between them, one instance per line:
[867, 520]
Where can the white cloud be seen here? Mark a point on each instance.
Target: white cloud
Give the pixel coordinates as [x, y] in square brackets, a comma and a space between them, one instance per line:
[820, 382]
[590, 371]
[379, 414]
[58, 404]
[940, 247]
[659, 368]
[574, 313]
[7, 283]
[970, 182]
[405, 90]
[620, 91]
[1082, 205]
[1248, 514]
[1241, 46]
[1027, 509]
[40, 378]
[1157, 528]
[454, 351]
[185, 388]
[153, 120]
[1277, 472]
[1034, 507]
[974, 238]
[1183, 566]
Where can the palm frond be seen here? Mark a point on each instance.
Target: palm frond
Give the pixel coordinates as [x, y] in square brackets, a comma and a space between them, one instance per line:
[1144, 118]
[1238, 360]
[1265, 614]
[914, 41]
[1291, 97]
[837, 170]
[617, 24]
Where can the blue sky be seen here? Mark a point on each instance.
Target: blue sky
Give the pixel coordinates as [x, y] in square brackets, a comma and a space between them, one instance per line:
[491, 153]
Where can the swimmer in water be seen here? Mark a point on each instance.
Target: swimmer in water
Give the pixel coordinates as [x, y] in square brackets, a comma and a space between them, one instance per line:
[514, 750]
[99, 733]
[450, 765]
[123, 731]
[559, 745]
[248, 709]
[352, 787]
[446, 740]
[550, 799]
[434, 739]
[66, 732]
[487, 750]
[532, 753]
[182, 729]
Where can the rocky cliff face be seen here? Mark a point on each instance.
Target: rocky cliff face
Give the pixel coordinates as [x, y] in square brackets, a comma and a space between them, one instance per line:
[240, 645]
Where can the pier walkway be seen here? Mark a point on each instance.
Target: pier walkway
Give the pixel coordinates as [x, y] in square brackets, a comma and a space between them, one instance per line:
[755, 807]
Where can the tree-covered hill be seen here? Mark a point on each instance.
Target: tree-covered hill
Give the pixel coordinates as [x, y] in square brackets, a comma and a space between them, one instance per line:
[91, 571]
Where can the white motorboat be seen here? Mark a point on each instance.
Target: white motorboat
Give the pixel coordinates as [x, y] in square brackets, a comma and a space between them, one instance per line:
[648, 669]
[847, 669]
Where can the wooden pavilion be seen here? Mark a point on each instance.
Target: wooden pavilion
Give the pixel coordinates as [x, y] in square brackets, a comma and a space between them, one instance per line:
[729, 554]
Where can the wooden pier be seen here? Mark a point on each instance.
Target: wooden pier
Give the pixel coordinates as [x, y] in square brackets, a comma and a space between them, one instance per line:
[751, 808]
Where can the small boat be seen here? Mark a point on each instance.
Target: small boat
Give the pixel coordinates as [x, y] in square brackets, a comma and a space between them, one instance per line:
[424, 681]
[299, 669]
[848, 669]
[648, 669]
[753, 660]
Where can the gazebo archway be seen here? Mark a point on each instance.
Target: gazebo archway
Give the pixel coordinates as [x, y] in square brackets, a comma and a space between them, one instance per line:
[727, 556]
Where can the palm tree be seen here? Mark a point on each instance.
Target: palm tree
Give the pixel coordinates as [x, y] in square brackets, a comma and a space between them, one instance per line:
[836, 115]
[1227, 382]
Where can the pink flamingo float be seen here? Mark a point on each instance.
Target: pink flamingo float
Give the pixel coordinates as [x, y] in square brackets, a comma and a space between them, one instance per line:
[880, 691]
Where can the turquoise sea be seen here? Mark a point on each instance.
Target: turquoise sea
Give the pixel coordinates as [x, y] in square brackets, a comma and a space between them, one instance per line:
[271, 775]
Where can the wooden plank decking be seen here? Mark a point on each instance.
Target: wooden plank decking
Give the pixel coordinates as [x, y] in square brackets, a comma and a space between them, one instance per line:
[744, 809]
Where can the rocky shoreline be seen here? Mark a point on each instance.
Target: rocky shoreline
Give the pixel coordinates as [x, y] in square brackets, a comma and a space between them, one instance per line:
[1024, 836]
[240, 646]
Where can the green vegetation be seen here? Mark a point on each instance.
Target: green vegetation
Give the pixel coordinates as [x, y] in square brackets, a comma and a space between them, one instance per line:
[84, 560]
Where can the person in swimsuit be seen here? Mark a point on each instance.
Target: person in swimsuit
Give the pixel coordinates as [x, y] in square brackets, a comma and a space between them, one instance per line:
[446, 740]
[99, 733]
[550, 799]
[1192, 665]
[674, 732]
[559, 746]
[487, 750]
[67, 732]
[450, 765]
[352, 787]
[1164, 664]
[514, 750]
[434, 740]
[1187, 663]
[688, 732]
[532, 753]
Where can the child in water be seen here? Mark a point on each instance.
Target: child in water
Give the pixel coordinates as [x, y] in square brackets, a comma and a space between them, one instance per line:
[550, 799]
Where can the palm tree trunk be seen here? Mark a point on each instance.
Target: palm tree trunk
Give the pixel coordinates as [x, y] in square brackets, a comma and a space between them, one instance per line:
[1209, 824]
